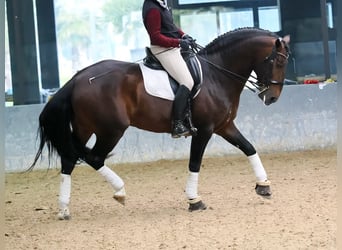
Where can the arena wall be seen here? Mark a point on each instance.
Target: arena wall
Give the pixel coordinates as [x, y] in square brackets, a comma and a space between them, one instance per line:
[305, 117]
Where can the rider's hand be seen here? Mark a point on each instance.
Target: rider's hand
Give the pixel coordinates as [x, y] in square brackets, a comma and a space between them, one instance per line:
[184, 44]
[189, 38]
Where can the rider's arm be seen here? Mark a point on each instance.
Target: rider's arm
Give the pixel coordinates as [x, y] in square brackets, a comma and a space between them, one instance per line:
[153, 26]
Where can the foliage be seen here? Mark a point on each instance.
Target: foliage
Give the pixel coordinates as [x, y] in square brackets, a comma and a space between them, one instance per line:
[115, 10]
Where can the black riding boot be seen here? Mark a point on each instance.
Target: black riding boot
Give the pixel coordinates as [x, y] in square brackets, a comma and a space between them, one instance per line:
[179, 105]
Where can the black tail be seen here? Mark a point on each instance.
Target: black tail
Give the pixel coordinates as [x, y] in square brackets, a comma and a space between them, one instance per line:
[54, 126]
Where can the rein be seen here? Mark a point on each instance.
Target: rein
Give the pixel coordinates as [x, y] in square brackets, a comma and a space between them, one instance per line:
[258, 85]
[197, 47]
[231, 73]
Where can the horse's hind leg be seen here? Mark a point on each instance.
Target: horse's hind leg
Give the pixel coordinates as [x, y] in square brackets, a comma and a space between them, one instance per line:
[233, 136]
[115, 181]
[96, 158]
[65, 188]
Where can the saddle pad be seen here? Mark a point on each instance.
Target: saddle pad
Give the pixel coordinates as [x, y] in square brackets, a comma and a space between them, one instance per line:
[157, 83]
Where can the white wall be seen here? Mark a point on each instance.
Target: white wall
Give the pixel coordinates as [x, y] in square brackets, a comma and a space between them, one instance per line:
[303, 118]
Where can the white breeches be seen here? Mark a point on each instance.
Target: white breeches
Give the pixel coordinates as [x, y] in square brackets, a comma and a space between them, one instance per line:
[174, 64]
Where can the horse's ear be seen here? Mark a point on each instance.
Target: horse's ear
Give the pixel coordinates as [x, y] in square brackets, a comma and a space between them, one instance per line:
[286, 39]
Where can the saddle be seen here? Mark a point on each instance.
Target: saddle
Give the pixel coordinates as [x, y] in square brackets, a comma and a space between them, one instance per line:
[192, 62]
[195, 69]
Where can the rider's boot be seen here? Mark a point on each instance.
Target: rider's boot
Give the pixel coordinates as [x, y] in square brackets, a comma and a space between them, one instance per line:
[179, 105]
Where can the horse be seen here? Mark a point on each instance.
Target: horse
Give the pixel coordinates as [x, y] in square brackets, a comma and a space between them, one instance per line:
[86, 118]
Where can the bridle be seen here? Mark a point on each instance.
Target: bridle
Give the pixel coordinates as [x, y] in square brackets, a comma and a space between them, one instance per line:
[281, 60]
[261, 85]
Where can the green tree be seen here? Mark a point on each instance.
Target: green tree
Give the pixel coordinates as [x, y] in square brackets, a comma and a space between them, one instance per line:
[73, 31]
[115, 10]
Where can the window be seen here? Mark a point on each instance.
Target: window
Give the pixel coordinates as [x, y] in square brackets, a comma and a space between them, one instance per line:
[269, 18]
[199, 1]
[102, 29]
[106, 29]
[236, 19]
[330, 17]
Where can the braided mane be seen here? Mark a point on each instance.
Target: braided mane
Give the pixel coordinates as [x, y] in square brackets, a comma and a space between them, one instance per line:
[234, 36]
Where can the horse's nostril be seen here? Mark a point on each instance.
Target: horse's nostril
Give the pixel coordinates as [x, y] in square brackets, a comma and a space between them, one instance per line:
[273, 99]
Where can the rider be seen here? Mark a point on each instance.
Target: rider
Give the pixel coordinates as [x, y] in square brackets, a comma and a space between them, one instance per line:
[166, 39]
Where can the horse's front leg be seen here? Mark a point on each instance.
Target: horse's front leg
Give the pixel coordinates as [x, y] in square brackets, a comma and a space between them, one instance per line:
[233, 136]
[198, 145]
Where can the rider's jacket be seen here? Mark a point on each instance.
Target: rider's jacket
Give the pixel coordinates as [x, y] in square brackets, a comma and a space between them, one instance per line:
[159, 24]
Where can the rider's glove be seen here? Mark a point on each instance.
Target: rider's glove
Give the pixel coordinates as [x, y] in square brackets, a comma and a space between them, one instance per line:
[184, 44]
[189, 38]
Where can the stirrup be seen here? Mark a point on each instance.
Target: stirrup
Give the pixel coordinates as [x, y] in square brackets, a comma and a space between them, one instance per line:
[178, 135]
[188, 115]
[179, 130]
[192, 128]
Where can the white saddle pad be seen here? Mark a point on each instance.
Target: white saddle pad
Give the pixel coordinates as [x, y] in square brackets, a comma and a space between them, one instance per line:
[157, 83]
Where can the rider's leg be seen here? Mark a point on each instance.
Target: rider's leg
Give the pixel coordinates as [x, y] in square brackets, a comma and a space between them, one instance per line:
[175, 65]
[178, 111]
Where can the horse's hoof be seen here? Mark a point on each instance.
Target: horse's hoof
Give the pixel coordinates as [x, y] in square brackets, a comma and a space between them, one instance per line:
[64, 214]
[199, 205]
[121, 199]
[263, 189]
[120, 196]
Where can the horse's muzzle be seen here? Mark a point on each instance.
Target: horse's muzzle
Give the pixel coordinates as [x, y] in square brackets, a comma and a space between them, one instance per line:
[271, 100]
[266, 98]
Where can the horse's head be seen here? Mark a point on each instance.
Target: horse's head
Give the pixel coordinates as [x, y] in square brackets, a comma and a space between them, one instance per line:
[271, 72]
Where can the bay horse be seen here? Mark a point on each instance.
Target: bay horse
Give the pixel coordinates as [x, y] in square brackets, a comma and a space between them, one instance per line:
[87, 117]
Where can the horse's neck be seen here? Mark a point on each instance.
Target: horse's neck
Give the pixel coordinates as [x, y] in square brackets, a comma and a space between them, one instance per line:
[229, 60]
[240, 52]
[220, 84]
[236, 55]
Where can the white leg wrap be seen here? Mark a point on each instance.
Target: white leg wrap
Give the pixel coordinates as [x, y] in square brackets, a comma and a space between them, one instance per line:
[110, 176]
[258, 168]
[191, 185]
[64, 191]
[91, 141]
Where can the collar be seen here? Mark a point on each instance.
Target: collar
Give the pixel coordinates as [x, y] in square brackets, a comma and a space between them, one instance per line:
[162, 3]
